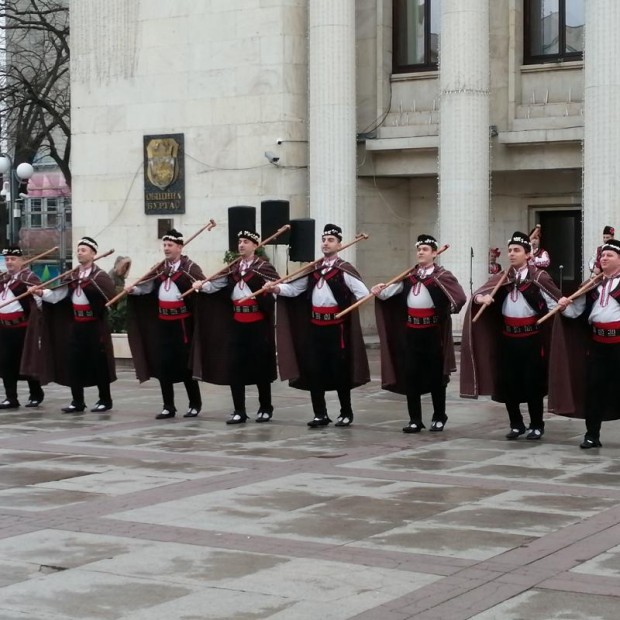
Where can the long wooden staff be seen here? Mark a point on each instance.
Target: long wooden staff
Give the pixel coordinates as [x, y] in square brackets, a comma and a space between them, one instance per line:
[308, 267]
[160, 264]
[31, 260]
[46, 284]
[226, 269]
[394, 280]
[496, 288]
[589, 285]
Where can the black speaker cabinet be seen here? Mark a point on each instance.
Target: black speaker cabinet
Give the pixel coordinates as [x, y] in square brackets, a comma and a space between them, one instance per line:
[239, 218]
[301, 247]
[273, 215]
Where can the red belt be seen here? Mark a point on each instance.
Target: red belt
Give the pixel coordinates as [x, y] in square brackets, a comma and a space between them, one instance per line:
[173, 310]
[83, 313]
[421, 318]
[607, 333]
[325, 315]
[247, 311]
[520, 327]
[13, 319]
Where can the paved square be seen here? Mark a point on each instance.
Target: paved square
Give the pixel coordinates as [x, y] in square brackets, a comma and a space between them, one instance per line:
[119, 516]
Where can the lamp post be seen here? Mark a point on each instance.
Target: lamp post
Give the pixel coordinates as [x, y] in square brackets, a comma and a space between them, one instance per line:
[22, 173]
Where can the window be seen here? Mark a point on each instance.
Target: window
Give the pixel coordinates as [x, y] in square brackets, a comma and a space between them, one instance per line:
[553, 30]
[34, 213]
[416, 30]
[46, 212]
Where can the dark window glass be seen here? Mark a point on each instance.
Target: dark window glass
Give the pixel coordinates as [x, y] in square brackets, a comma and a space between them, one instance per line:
[416, 32]
[553, 30]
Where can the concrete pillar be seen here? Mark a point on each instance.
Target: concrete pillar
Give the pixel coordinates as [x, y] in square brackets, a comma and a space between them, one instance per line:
[464, 138]
[332, 135]
[601, 156]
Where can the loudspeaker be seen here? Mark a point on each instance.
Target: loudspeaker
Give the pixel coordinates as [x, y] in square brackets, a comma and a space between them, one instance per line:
[301, 247]
[239, 218]
[273, 215]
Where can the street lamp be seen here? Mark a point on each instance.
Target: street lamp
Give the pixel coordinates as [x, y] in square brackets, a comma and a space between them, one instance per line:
[22, 173]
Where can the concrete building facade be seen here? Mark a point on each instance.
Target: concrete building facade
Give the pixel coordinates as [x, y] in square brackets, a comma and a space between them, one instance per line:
[478, 140]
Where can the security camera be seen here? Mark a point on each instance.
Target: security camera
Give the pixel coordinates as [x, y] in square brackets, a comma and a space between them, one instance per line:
[279, 141]
[272, 157]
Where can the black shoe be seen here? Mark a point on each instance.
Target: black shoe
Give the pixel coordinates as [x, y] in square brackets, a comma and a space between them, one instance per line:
[9, 403]
[237, 418]
[344, 420]
[438, 425]
[73, 408]
[34, 402]
[192, 412]
[535, 433]
[165, 414]
[413, 427]
[100, 407]
[263, 416]
[319, 421]
[589, 442]
[515, 433]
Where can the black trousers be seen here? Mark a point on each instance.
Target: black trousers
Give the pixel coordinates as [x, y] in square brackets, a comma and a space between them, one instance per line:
[253, 362]
[11, 348]
[329, 367]
[522, 378]
[88, 362]
[423, 357]
[602, 386]
[237, 391]
[175, 339]
[191, 387]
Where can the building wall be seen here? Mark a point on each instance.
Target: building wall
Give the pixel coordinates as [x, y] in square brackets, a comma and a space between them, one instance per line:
[231, 76]
[535, 146]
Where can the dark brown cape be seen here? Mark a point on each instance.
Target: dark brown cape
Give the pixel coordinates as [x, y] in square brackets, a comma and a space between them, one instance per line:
[391, 325]
[214, 324]
[143, 314]
[293, 331]
[479, 340]
[567, 369]
[58, 321]
[32, 362]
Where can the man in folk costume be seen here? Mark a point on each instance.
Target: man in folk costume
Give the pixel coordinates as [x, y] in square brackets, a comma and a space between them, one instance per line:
[540, 257]
[19, 331]
[160, 326]
[585, 354]
[494, 266]
[317, 351]
[504, 354]
[595, 261]
[77, 336]
[415, 331]
[250, 333]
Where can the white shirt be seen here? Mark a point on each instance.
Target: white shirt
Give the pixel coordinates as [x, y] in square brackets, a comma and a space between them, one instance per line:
[418, 297]
[78, 296]
[168, 291]
[8, 295]
[240, 290]
[322, 296]
[605, 308]
[515, 306]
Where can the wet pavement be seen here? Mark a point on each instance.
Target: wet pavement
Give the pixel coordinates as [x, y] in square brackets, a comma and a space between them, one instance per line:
[117, 515]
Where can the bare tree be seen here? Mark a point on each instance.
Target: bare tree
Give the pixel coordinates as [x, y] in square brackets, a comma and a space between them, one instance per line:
[34, 80]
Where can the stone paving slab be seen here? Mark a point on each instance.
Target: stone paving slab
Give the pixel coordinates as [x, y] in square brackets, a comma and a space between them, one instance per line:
[119, 516]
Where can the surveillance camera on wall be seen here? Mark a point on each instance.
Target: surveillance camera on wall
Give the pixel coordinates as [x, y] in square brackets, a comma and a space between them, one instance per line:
[279, 141]
[272, 157]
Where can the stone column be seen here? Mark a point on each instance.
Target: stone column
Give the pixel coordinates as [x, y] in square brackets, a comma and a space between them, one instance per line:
[601, 155]
[464, 138]
[332, 134]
